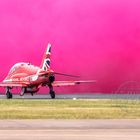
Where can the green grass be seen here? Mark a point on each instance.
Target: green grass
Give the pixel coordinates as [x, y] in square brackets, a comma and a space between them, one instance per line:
[69, 109]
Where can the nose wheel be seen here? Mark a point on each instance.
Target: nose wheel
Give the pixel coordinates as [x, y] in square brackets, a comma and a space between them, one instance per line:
[52, 93]
[8, 93]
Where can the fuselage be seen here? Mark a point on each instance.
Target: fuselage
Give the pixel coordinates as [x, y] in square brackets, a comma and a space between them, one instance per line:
[26, 73]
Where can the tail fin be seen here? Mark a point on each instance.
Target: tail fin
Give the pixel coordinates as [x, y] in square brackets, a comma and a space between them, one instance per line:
[46, 58]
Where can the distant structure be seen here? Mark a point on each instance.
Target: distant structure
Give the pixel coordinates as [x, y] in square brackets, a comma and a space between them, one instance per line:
[129, 87]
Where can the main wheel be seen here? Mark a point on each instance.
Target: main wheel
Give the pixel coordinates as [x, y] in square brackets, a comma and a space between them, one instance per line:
[9, 95]
[52, 93]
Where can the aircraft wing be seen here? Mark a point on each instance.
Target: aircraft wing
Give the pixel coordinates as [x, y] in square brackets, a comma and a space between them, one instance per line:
[12, 85]
[70, 83]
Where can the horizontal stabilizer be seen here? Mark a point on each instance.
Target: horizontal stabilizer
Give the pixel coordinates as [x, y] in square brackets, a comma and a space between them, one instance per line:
[66, 75]
[71, 83]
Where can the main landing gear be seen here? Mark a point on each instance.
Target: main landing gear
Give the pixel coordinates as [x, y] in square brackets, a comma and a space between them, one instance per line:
[52, 93]
[30, 90]
[8, 93]
[24, 90]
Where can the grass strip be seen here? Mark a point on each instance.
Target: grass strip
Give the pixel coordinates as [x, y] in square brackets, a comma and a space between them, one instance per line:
[69, 109]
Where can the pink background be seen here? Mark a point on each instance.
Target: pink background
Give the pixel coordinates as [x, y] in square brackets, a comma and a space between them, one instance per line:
[96, 39]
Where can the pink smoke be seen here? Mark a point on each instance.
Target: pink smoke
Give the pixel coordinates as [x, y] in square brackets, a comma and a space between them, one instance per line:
[96, 39]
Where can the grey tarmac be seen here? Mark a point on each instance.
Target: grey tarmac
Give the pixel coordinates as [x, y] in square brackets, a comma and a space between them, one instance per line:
[70, 129]
[77, 96]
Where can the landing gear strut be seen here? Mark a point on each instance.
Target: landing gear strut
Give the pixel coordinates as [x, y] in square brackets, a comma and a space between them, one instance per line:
[52, 93]
[8, 93]
[23, 90]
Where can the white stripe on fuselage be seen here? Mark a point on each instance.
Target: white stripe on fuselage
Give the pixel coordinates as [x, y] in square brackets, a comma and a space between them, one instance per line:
[9, 80]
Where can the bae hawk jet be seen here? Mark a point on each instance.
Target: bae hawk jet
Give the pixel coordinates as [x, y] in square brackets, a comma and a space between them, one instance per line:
[31, 78]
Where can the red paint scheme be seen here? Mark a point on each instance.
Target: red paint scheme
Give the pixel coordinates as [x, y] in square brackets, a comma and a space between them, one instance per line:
[26, 73]
[30, 78]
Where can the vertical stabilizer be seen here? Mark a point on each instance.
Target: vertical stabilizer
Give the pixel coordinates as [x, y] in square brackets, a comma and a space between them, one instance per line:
[46, 58]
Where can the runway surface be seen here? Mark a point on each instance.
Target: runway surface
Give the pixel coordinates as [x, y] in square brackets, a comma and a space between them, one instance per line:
[77, 96]
[70, 129]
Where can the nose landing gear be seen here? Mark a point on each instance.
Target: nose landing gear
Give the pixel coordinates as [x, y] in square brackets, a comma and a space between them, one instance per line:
[8, 93]
[23, 90]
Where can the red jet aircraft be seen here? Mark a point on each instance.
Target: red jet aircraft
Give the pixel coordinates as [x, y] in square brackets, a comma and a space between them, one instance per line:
[30, 78]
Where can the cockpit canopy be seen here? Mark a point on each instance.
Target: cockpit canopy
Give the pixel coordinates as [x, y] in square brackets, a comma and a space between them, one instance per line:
[18, 65]
[26, 68]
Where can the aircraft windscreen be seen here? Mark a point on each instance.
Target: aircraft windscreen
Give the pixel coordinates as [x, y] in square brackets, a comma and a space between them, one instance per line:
[15, 67]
